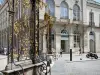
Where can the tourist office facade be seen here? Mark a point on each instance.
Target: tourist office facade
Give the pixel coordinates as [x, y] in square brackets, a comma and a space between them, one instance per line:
[76, 26]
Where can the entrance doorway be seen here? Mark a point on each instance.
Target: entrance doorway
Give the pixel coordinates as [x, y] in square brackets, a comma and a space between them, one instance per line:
[64, 41]
[63, 45]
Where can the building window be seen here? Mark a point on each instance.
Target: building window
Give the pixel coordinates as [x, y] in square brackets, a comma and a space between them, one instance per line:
[91, 17]
[76, 13]
[50, 8]
[64, 10]
[76, 39]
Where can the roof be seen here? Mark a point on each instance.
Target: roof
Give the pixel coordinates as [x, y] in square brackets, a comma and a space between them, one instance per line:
[93, 2]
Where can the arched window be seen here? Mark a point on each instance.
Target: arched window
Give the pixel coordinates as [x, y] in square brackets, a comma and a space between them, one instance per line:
[64, 34]
[76, 13]
[64, 10]
[64, 31]
[50, 7]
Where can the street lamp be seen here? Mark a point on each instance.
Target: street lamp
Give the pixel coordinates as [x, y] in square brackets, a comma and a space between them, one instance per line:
[11, 13]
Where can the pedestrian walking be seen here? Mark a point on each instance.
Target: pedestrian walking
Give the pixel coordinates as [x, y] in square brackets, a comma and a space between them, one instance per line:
[79, 51]
[61, 52]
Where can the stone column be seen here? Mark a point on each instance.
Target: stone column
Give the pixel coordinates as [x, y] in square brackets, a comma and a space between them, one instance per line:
[44, 44]
[56, 11]
[40, 42]
[58, 42]
[71, 41]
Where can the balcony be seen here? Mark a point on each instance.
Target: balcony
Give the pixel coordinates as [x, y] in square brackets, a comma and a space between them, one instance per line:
[63, 21]
[77, 21]
[92, 24]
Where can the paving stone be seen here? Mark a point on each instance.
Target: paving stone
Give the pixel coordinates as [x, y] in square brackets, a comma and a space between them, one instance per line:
[77, 67]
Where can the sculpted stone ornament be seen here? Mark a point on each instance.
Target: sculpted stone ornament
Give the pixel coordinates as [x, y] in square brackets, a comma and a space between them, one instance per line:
[76, 1]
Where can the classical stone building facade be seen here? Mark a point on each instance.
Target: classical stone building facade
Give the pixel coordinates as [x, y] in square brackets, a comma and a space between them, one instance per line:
[76, 25]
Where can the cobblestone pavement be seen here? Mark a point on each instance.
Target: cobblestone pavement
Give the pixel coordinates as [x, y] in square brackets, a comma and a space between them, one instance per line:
[85, 66]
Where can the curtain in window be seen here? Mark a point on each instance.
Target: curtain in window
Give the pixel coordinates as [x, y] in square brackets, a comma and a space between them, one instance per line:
[76, 12]
[64, 10]
[50, 7]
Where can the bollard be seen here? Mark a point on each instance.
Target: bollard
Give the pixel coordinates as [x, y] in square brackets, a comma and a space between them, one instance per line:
[70, 54]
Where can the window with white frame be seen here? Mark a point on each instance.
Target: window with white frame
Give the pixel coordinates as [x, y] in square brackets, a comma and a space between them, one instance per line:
[64, 10]
[76, 39]
[50, 8]
[76, 13]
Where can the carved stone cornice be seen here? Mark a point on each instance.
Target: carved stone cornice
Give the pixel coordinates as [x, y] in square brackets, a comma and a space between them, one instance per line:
[93, 5]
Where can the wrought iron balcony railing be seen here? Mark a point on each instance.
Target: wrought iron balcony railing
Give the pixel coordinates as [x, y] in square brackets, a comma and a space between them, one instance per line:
[92, 24]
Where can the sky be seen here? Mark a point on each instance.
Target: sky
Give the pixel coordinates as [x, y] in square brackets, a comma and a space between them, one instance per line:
[98, 0]
[1, 1]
